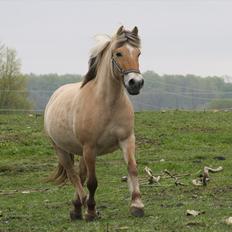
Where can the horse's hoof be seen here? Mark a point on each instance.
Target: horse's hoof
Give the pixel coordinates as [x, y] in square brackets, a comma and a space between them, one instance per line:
[137, 212]
[75, 215]
[89, 217]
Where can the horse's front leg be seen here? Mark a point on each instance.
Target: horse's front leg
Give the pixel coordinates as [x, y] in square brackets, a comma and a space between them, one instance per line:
[76, 213]
[128, 148]
[90, 162]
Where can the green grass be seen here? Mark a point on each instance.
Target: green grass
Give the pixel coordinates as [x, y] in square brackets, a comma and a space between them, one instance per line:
[187, 141]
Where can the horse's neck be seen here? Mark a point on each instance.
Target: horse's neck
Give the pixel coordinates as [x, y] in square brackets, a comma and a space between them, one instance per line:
[109, 89]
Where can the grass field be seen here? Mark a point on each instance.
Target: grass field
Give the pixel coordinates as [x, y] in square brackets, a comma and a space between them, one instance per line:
[181, 142]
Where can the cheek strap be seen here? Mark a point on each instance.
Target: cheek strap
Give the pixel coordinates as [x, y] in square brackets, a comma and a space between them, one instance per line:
[121, 70]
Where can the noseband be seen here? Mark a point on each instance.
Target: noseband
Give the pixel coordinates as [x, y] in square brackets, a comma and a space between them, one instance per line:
[121, 70]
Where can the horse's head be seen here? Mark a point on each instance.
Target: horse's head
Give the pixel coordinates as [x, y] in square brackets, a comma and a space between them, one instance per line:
[121, 53]
[125, 59]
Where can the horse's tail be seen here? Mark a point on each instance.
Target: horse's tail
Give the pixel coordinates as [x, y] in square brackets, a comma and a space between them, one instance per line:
[60, 176]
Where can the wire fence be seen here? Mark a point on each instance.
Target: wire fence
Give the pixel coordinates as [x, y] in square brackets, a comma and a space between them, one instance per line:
[151, 99]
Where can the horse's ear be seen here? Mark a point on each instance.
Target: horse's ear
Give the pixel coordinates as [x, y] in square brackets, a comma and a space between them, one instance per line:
[135, 31]
[120, 30]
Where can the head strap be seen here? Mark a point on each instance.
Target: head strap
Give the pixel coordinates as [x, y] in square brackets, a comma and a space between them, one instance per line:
[121, 70]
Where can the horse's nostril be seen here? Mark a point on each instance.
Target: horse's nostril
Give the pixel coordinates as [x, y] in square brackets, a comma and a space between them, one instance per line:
[142, 83]
[131, 82]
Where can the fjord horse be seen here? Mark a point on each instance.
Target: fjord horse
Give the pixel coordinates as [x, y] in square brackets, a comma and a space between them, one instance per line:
[95, 117]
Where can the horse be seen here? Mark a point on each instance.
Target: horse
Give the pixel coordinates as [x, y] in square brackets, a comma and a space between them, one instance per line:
[96, 117]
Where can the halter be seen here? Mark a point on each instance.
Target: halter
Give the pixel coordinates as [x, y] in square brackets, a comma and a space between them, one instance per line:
[121, 70]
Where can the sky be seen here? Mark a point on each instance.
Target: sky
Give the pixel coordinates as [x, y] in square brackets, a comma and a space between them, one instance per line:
[178, 36]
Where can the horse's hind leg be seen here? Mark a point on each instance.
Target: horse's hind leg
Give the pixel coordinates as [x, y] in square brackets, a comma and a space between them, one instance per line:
[77, 212]
[66, 161]
[90, 161]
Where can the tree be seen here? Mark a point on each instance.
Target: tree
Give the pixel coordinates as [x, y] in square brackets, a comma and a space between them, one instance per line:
[13, 86]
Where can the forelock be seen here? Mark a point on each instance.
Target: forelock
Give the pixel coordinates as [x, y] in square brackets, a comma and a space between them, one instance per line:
[129, 37]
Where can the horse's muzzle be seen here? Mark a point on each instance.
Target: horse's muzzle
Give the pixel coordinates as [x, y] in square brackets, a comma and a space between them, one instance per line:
[133, 83]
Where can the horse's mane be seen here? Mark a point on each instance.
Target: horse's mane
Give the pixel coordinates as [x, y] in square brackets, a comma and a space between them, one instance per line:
[102, 43]
[129, 37]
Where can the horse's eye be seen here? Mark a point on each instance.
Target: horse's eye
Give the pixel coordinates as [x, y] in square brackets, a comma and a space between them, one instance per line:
[119, 54]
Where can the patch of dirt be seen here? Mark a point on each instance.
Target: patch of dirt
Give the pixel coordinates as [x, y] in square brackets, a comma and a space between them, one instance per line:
[16, 168]
[194, 224]
[198, 129]
[10, 138]
[219, 158]
[180, 204]
[222, 190]
[54, 205]
[199, 159]
[141, 140]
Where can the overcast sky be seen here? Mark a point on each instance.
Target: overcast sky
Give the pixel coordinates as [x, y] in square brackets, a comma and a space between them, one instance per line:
[178, 37]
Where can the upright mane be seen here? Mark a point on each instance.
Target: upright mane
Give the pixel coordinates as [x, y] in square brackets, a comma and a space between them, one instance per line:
[129, 37]
[102, 42]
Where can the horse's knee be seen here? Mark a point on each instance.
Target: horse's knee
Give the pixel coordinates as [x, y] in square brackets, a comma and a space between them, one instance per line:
[132, 169]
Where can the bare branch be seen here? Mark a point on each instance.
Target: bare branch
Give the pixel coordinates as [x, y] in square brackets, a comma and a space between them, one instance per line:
[177, 182]
[204, 179]
[152, 179]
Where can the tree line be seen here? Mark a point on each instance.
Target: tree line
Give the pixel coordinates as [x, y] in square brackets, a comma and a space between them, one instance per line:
[185, 92]
[31, 91]
[159, 92]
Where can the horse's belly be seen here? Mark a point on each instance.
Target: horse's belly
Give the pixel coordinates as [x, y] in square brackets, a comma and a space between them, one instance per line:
[65, 139]
[107, 144]
[70, 146]
[106, 150]
[59, 129]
